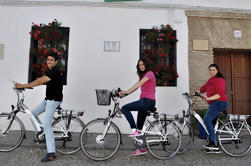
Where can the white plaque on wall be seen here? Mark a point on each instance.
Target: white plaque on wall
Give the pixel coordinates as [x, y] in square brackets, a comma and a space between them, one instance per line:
[1, 51]
[237, 33]
[112, 46]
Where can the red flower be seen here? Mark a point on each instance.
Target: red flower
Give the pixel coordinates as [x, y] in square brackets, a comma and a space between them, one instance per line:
[160, 64]
[54, 50]
[60, 53]
[45, 51]
[30, 33]
[158, 69]
[35, 36]
[149, 61]
[38, 32]
[41, 58]
[41, 40]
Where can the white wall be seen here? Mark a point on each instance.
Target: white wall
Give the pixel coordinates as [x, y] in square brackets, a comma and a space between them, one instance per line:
[89, 67]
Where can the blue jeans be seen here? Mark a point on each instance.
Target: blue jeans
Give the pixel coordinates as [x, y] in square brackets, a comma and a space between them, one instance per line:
[142, 105]
[214, 110]
[49, 108]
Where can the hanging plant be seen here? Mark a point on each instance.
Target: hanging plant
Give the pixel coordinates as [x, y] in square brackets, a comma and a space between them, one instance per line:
[47, 39]
[160, 45]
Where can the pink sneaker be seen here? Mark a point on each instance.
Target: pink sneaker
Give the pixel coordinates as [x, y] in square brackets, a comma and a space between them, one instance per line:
[139, 152]
[135, 134]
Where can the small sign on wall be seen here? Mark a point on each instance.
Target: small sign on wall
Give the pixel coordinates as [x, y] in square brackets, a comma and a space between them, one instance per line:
[1, 51]
[111, 46]
[200, 45]
[237, 33]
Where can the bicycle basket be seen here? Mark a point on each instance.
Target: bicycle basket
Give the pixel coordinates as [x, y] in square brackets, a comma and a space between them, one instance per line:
[103, 96]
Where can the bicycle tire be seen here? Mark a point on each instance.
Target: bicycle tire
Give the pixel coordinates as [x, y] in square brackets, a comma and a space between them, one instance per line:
[233, 147]
[15, 135]
[163, 148]
[69, 142]
[96, 148]
[187, 137]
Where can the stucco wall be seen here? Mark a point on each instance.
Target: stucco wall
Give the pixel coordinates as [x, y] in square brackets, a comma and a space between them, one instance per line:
[89, 67]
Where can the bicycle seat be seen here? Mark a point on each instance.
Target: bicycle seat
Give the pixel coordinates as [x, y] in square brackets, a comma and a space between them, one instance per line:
[224, 113]
[152, 110]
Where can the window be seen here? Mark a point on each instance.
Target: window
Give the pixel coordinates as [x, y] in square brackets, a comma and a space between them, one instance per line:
[44, 40]
[158, 47]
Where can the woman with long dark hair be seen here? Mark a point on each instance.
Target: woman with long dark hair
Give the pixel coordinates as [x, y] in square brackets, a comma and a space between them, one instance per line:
[215, 89]
[147, 82]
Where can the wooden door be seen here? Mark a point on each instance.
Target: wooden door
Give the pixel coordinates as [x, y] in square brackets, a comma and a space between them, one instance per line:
[236, 68]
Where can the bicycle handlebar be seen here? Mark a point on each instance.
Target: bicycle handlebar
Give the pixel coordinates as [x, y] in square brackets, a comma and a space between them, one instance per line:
[115, 93]
[19, 89]
[190, 96]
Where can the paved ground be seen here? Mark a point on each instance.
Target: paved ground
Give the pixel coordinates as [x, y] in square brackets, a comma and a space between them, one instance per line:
[29, 154]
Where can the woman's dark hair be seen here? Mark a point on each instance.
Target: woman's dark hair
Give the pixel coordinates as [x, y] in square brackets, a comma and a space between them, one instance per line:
[54, 55]
[219, 75]
[139, 72]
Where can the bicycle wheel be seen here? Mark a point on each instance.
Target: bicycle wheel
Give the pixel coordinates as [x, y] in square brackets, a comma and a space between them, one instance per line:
[13, 137]
[67, 140]
[99, 140]
[166, 145]
[231, 145]
[186, 136]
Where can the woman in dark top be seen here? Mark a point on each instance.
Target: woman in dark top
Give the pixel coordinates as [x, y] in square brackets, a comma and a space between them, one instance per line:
[54, 96]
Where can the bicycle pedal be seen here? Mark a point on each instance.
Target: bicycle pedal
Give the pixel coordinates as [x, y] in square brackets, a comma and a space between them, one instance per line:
[119, 116]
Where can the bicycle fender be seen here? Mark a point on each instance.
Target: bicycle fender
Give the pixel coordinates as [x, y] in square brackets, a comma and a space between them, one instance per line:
[197, 116]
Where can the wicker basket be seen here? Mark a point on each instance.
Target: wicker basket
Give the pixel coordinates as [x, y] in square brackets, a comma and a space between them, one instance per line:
[103, 97]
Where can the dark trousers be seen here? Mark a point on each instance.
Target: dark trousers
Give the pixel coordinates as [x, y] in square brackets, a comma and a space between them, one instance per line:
[214, 110]
[142, 105]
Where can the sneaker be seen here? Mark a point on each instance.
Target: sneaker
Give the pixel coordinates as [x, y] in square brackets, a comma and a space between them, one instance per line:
[213, 151]
[211, 146]
[135, 134]
[48, 157]
[139, 152]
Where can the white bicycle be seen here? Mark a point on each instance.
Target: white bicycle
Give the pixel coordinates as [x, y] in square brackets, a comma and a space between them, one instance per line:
[67, 126]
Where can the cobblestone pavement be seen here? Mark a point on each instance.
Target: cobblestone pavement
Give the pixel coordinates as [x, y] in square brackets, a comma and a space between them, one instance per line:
[29, 155]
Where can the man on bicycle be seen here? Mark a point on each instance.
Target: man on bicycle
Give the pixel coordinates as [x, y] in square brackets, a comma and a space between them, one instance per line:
[54, 95]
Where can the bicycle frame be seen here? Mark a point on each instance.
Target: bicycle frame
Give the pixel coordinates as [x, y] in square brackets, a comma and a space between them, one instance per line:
[23, 108]
[149, 123]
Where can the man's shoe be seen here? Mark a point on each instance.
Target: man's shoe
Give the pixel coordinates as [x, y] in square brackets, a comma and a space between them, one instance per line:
[48, 157]
[211, 146]
[213, 151]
